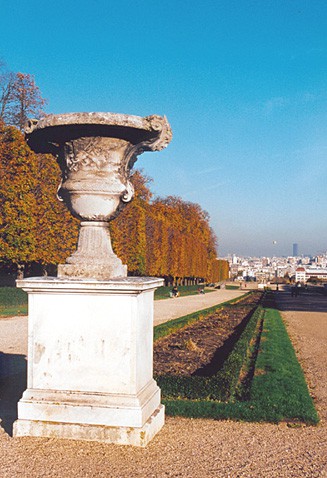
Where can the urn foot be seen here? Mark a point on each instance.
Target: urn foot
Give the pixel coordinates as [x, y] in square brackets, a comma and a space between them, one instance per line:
[94, 256]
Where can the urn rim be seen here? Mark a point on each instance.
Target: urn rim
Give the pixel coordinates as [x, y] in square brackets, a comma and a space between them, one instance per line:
[45, 135]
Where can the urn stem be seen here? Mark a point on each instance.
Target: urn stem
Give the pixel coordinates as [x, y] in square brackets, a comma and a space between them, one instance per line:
[94, 253]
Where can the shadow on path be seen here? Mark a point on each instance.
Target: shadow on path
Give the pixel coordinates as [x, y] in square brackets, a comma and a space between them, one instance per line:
[310, 300]
[13, 372]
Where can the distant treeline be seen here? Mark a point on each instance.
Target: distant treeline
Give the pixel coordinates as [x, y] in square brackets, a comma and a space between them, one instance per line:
[167, 237]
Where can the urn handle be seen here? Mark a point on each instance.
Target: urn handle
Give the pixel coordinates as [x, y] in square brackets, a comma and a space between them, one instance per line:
[129, 193]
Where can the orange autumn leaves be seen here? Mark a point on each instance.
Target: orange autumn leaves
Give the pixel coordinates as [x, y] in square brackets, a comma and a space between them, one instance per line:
[34, 226]
[166, 237]
[160, 237]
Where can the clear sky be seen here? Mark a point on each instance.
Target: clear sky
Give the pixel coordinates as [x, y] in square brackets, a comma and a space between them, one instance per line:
[242, 82]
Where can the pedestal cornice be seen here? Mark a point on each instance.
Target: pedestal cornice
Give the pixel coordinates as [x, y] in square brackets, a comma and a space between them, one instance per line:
[120, 285]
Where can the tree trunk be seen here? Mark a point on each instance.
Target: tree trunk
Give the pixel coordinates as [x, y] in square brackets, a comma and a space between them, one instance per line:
[20, 271]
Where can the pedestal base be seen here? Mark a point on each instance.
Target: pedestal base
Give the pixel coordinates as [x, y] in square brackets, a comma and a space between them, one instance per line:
[135, 436]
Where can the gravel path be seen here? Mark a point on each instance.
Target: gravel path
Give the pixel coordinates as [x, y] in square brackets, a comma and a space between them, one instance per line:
[168, 309]
[185, 447]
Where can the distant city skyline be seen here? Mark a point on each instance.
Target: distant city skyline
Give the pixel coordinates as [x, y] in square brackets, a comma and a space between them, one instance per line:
[243, 85]
[275, 249]
[299, 255]
[266, 269]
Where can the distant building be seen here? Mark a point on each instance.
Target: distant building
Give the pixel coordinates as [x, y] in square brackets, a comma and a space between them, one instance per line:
[295, 249]
[300, 275]
[303, 274]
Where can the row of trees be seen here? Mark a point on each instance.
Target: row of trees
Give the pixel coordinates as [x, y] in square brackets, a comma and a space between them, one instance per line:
[161, 237]
[173, 238]
[34, 226]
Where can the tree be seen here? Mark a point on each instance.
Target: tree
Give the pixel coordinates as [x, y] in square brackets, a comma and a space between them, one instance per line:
[191, 242]
[157, 234]
[34, 226]
[6, 94]
[128, 230]
[26, 100]
[20, 99]
[220, 270]
[18, 172]
[165, 237]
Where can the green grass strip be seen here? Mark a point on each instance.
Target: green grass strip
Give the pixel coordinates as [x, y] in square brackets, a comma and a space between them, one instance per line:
[13, 301]
[279, 384]
[278, 393]
[171, 326]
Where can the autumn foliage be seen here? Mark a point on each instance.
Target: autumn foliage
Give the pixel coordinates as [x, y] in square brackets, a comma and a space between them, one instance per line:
[167, 237]
[34, 226]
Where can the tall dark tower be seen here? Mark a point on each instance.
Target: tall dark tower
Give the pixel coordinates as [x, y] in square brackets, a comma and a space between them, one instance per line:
[295, 250]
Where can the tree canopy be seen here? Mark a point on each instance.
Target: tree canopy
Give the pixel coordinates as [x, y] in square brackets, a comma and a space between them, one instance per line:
[166, 237]
[34, 226]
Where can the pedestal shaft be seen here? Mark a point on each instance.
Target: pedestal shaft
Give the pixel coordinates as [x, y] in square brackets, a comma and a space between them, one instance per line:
[90, 360]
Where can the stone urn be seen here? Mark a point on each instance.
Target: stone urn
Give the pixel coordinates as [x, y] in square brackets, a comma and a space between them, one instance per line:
[96, 152]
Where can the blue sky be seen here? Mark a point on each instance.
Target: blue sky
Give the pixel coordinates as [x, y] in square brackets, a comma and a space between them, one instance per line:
[243, 84]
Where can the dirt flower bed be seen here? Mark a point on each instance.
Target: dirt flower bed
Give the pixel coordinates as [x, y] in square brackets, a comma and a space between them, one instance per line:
[192, 349]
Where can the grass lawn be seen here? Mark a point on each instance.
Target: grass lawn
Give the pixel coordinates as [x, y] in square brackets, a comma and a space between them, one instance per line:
[278, 391]
[13, 301]
[279, 387]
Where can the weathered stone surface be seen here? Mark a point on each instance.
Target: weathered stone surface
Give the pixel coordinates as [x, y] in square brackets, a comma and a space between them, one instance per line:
[90, 361]
[95, 152]
[90, 372]
[135, 436]
[94, 256]
[45, 134]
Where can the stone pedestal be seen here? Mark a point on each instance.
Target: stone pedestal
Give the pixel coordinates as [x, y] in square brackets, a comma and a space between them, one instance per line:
[90, 361]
